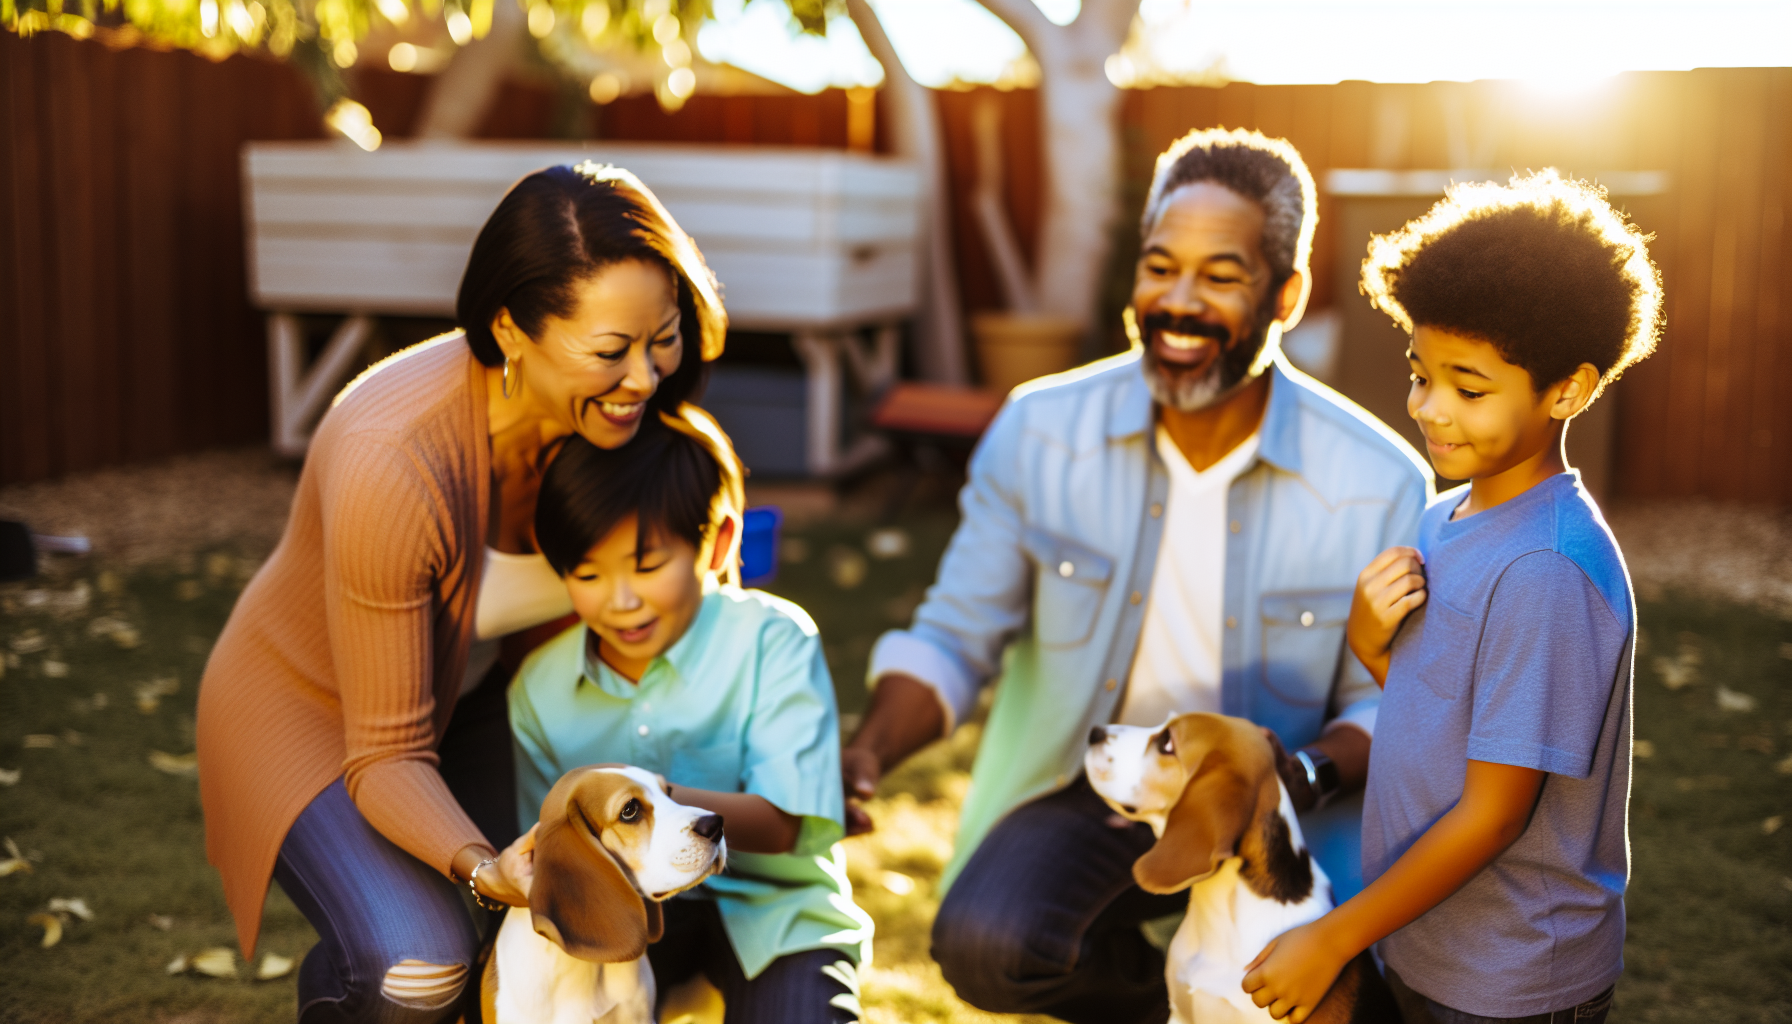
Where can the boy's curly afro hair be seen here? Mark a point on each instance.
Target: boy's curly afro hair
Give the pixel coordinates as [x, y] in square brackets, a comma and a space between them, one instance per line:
[1542, 268]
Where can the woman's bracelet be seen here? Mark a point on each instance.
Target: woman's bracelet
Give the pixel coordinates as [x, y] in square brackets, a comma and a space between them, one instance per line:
[484, 901]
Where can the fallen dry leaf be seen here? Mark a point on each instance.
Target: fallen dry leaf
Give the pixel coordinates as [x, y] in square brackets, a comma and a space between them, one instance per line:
[76, 906]
[273, 967]
[10, 778]
[15, 861]
[118, 631]
[1731, 700]
[55, 669]
[1784, 765]
[890, 542]
[218, 962]
[39, 741]
[1772, 825]
[52, 926]
[29, 642]
[1679, 672]
[174, 764]
[219, 565]
[1643, 749]
[178, 965]
[161, 922]
[150, 694]
[110, 582]
[73, 738]
[187, 590]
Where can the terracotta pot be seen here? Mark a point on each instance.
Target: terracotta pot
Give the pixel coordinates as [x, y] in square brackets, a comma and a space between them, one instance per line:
[1013, 348]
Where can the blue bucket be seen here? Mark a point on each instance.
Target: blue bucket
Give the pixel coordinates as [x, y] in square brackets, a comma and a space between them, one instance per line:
[759, 545]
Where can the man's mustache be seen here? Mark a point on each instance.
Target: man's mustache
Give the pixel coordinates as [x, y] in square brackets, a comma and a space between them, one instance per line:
[1155, 323]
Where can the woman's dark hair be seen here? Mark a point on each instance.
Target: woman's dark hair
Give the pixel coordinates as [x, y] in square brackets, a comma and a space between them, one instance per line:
[678, 477]
[561, 225]
[1542, 268]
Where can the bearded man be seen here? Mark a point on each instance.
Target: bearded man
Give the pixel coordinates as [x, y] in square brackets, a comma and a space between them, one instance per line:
[1175, 529]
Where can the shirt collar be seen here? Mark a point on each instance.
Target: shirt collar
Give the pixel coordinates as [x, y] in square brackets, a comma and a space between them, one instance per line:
[1279, 443]
[681, 658]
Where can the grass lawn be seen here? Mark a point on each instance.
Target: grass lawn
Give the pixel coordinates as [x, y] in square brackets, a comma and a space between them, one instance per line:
[82, 717]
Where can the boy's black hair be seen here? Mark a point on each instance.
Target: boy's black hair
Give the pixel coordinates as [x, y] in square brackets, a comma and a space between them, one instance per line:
[665, 477]
[1543, 269]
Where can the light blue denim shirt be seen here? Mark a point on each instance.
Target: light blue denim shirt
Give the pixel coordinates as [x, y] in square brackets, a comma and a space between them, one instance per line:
[1062, 517]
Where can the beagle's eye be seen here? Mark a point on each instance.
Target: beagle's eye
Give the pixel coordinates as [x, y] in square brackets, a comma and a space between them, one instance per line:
[1164, 743]
[631, 812]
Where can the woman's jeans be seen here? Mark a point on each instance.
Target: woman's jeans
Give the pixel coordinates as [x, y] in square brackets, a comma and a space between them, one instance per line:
[396, 944]
[799, 988]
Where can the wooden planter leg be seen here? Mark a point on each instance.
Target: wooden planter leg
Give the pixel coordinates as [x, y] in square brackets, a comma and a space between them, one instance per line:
[297, 393]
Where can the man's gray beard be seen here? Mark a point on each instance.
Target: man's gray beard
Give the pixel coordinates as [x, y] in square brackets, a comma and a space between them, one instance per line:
[1222, 380]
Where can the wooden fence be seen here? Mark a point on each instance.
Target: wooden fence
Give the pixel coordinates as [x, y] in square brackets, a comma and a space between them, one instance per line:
[125, 332]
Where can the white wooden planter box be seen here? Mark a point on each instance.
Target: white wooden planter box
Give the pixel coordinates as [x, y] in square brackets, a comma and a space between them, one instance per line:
[815, 242]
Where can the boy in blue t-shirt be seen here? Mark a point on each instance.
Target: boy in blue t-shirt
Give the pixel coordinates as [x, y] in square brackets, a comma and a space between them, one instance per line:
[722, 691]
[1494, 825]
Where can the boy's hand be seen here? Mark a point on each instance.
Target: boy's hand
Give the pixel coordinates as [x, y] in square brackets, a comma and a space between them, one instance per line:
[860, 772]
[1295, 971]
[1391, 587]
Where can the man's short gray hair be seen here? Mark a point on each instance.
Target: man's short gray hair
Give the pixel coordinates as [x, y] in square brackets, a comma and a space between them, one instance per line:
[1268, 171]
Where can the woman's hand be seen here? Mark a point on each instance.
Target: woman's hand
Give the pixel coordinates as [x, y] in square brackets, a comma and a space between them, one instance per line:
[1295, 971]
[1391, 587]
[508, 877]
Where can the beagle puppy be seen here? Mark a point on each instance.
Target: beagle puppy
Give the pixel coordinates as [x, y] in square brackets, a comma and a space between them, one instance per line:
[610, 848]
[1226, 831]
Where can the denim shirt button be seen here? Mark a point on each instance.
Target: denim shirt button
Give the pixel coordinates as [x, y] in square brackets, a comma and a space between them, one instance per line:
[1237, 526]
[641, 730]
[1066, 569]
[1136, 597]
[1231, 622]
[1110, 684]
[1157, 509]
[1306, 618]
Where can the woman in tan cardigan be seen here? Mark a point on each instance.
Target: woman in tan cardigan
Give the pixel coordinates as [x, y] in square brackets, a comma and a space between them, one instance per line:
[328, 714]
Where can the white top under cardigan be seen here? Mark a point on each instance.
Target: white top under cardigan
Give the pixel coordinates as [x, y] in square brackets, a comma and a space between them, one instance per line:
[515, 593]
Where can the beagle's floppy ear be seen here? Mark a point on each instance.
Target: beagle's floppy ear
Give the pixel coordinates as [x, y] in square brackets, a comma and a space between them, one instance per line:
[581, 899]
[1203, 828]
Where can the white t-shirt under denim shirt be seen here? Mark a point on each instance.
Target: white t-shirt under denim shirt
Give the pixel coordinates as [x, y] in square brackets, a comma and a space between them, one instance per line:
[1520, 655]
[1177, 668]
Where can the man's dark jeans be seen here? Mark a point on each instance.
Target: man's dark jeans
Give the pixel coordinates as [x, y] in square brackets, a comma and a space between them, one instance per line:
[1418, 1008]
[1045, 917]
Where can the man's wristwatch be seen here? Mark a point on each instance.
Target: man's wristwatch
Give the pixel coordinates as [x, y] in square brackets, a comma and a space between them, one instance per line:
[1322, 774]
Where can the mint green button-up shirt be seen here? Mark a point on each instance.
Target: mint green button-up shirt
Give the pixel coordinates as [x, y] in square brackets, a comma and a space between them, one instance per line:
[742, 703]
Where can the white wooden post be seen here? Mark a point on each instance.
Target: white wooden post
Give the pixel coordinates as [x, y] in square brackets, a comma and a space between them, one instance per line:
[298, 393]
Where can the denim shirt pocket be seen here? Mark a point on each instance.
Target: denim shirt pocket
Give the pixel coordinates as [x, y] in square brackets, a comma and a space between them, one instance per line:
[1068, 588]
[1447, 645]
[1303, 640]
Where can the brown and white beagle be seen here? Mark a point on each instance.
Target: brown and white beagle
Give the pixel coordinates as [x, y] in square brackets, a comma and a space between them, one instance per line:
[1226, 831]
[610, 848]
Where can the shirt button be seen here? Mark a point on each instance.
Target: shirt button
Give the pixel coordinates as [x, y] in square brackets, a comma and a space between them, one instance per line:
[1157, 509]
[641, 730]
[1237, 526]
[1231, 622]
[1110, 684]
[1136, 597]
[1062, 780]
[1306, 618]
[1066, 569]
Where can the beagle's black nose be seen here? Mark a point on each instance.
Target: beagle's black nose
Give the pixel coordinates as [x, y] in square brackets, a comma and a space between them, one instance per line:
[709, 826]
[1097, 736]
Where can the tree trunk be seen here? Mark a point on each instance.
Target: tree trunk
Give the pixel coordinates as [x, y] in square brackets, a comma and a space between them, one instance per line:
[464, 91]
[1080, 133]
[915, 131]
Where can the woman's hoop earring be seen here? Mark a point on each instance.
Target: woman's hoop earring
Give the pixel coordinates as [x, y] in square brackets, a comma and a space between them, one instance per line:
[504, 384]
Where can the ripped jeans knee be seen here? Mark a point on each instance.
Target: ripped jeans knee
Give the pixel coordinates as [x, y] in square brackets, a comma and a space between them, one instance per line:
[419, 985]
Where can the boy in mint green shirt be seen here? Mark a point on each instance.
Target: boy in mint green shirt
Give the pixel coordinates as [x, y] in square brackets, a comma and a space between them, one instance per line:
[721, 690]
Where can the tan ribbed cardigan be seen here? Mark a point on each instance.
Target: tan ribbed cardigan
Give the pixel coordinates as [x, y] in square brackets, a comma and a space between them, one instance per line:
[344, 654]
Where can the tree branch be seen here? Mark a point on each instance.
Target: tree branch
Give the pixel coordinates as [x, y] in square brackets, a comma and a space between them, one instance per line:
[1025, 18]
[1113, 16]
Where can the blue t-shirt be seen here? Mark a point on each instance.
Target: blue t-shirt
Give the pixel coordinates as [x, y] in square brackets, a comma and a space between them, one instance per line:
[1520, 655]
